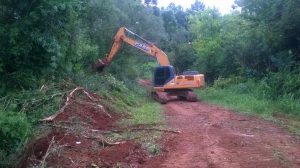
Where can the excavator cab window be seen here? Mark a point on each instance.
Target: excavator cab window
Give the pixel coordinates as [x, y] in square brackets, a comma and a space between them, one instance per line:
[163, 75]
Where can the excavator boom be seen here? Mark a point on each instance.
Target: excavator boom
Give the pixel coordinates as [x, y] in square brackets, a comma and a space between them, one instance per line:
[165, 81]
[141, 44]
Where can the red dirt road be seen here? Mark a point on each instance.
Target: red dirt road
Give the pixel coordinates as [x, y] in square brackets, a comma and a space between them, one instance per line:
[216, 137]
[210, 137]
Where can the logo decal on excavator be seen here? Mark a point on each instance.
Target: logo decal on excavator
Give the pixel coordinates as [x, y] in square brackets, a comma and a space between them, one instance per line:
[142, 46]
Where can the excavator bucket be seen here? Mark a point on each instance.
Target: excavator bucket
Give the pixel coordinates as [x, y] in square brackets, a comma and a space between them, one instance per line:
[99, 65]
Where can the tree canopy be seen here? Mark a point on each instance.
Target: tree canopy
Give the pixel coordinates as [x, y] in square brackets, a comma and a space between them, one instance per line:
[47, 40]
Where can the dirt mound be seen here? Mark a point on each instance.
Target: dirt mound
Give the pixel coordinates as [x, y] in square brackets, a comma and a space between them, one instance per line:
[71, 150]
[89, 115]
[76, 137]
[85, 108]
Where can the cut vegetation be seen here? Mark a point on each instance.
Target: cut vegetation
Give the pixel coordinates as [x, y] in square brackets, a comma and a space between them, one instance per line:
[55, 111]
[85, 133]
[65, 119]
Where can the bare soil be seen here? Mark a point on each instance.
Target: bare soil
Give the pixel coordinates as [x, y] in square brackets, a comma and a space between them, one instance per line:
[213, 136]
[76, 138]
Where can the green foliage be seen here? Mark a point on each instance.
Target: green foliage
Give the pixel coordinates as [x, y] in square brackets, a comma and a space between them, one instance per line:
[256, 96]
[177, 46]
[154, 149]
[263, 38]
[147, 70]
[21, 111]
[35, 40]
[226, 82]
[148, 113]
[119, 95]
[104, 18]
[246, 98]
[19, 115]
[282, 84]
[46, 39]
[242, 102]
[15, 129]
[252, 56]
[205, 27]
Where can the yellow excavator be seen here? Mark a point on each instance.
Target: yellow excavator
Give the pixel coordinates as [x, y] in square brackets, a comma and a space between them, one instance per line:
[165, 83]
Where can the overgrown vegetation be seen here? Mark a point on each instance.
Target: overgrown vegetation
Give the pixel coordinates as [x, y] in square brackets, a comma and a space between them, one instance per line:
[250, 57]
[20, 113]
[251, 96]
[257, 97]
[47, 48]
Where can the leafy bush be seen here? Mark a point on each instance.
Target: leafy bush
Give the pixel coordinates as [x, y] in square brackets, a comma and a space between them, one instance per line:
[276, 93]
[19, 115]
[121, 95]
[14, 131]
[273, 86]
[282, 84]
[226, 82]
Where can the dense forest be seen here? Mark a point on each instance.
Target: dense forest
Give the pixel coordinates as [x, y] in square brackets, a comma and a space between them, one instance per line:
[252, 52]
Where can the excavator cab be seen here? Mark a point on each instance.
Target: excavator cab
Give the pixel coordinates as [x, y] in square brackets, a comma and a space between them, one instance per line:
[163, 75]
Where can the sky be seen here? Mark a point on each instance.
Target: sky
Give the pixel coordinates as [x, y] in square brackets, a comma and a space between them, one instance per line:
[224, 6]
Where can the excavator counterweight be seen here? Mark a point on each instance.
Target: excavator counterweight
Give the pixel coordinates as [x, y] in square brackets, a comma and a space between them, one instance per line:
[165, 83]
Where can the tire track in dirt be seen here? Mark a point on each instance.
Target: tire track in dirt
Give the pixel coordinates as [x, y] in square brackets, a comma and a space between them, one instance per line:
[217, 137]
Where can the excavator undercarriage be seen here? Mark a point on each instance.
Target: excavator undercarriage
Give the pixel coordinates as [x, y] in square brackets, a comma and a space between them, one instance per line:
[165, 96]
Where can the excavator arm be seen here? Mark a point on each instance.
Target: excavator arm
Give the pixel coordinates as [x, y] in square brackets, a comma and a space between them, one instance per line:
[165, 81]
[140, 44]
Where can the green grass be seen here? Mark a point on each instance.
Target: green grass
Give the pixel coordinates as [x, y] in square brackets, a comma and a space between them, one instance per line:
[251, 103]
[21, 111]
[19, 115]
[285, 110]
[245, 103]
[133, 101]
[148, 114]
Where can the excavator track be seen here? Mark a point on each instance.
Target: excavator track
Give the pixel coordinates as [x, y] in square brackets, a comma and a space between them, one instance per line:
[161, 97]
[191, 96]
